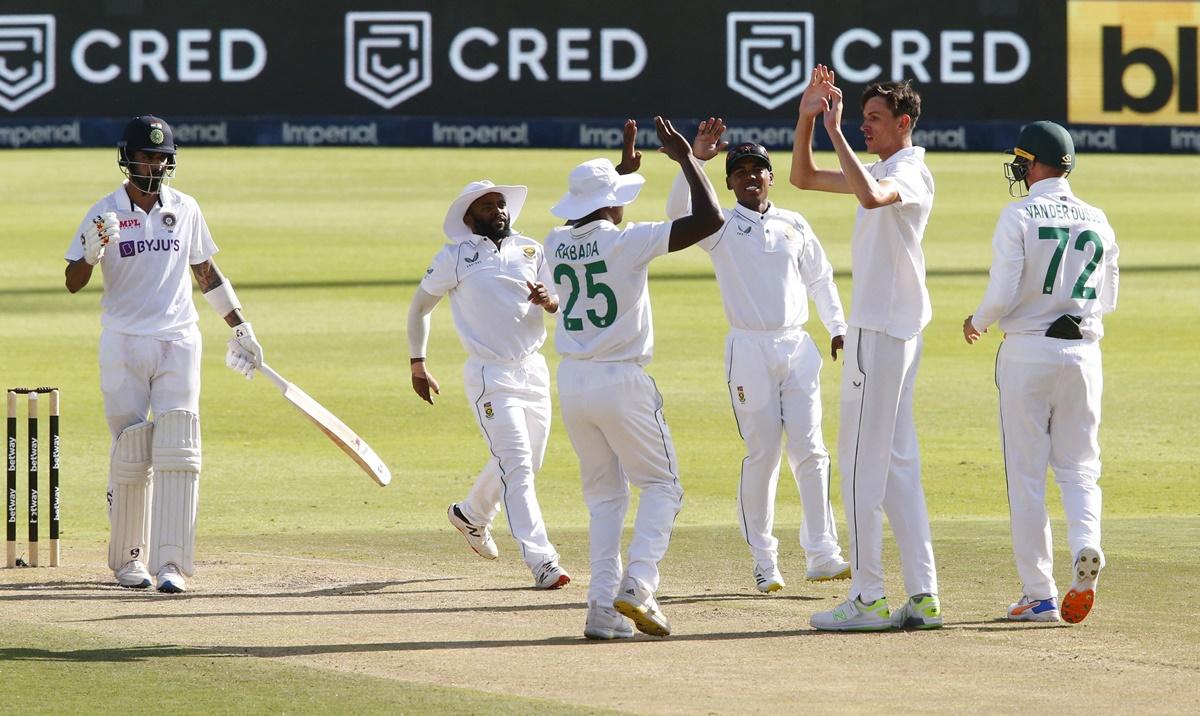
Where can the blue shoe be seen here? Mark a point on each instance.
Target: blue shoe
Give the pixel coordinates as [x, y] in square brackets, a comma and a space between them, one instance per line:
[170, 580]
[1033, 610]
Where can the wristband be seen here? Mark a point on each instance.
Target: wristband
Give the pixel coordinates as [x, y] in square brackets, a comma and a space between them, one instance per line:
[222, 298]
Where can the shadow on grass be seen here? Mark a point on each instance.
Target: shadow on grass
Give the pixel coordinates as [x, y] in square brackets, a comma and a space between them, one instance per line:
[101, 590]
[144, 653]
[480, 609]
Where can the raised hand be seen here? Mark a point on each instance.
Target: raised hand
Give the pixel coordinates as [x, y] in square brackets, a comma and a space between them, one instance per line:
[103, 230]
[816, 97]
[813, 101]
[673, 143]
[631, 159]
[707, 143]
[833, 109]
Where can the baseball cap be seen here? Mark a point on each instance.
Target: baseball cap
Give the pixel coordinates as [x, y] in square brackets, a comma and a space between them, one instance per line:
[1048, 143]
[149, 134]
[747, 149]
[596, 185]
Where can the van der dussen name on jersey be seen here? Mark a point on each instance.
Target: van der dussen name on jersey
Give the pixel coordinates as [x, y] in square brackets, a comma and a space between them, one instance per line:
[574, 252]
[133, 248]
[1063, 211]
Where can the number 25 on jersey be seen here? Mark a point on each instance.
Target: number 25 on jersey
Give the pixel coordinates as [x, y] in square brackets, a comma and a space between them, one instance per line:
[594, 288]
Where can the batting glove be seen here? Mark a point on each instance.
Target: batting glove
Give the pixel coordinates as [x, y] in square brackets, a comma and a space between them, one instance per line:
[103, 230]
[245, 352]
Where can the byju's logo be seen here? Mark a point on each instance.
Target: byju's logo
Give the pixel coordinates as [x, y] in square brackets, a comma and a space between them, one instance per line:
[26, 59]
[769, 55]
[388, 55]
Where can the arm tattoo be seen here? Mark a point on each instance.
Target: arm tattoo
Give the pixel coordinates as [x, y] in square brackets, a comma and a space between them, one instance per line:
[207, 276]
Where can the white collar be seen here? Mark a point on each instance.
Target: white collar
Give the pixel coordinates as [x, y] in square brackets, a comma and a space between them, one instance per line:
[1053, 185]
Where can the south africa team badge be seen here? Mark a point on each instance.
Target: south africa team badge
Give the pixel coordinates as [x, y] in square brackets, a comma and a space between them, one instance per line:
[741, 395]
[530, 252]
[487, 411]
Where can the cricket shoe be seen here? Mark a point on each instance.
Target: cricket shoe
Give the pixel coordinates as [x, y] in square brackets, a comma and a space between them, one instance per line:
[550, 576]
[921, 611]
[837, 568]
[854, 615]
[639, 604]
[1033, 610]
[133, 575]
[170, 581]
[1082, 594]
[767, 578]
[605, 623]
[479, 537]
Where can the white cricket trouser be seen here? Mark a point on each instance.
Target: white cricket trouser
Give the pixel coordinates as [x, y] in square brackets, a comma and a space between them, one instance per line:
[142, 374]
[1050, 415]
[880, 462]
[511, 402]
[613, 414]
[775, 385]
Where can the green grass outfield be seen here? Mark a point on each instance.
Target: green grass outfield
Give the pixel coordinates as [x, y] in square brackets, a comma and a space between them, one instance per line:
[325, 247]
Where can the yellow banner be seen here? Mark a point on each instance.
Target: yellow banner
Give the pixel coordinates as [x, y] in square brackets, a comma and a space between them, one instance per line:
[1133, 62]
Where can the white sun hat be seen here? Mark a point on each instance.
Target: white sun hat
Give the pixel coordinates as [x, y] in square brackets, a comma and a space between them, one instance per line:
[595, 185]
[454, 225]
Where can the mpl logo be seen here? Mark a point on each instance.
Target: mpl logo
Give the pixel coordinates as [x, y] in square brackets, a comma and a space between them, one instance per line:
[388, 55]
[769, 55]
[26, 59]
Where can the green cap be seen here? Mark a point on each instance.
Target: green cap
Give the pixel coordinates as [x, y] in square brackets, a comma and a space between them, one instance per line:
[1048, 143]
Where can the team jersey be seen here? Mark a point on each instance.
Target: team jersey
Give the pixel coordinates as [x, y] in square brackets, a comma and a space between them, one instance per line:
[1052, 255]
[600, 271]
[147, 277]
[886, 260]
[767, 266]
[489, 298]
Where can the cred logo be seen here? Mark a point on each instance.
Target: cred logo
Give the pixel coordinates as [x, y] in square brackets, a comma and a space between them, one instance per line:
[388, 57]
[768, 55]
[26, 59]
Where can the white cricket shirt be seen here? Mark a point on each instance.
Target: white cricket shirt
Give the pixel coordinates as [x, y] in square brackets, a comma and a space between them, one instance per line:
[886, 260]
[1052, 255]
[767, 266]
[604, 299]
[488, 295]
[147, 271]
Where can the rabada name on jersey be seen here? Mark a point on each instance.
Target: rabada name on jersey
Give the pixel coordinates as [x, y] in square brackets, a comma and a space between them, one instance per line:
[574, 252]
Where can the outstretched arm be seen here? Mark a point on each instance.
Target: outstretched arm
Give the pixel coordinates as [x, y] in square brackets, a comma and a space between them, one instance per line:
[871, 194]
[707, 145]
[423, 382]
[706, 216]
[805, 172]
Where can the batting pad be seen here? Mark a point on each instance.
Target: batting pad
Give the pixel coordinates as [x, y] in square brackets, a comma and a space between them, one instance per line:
[176, 490]
[129, 491]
